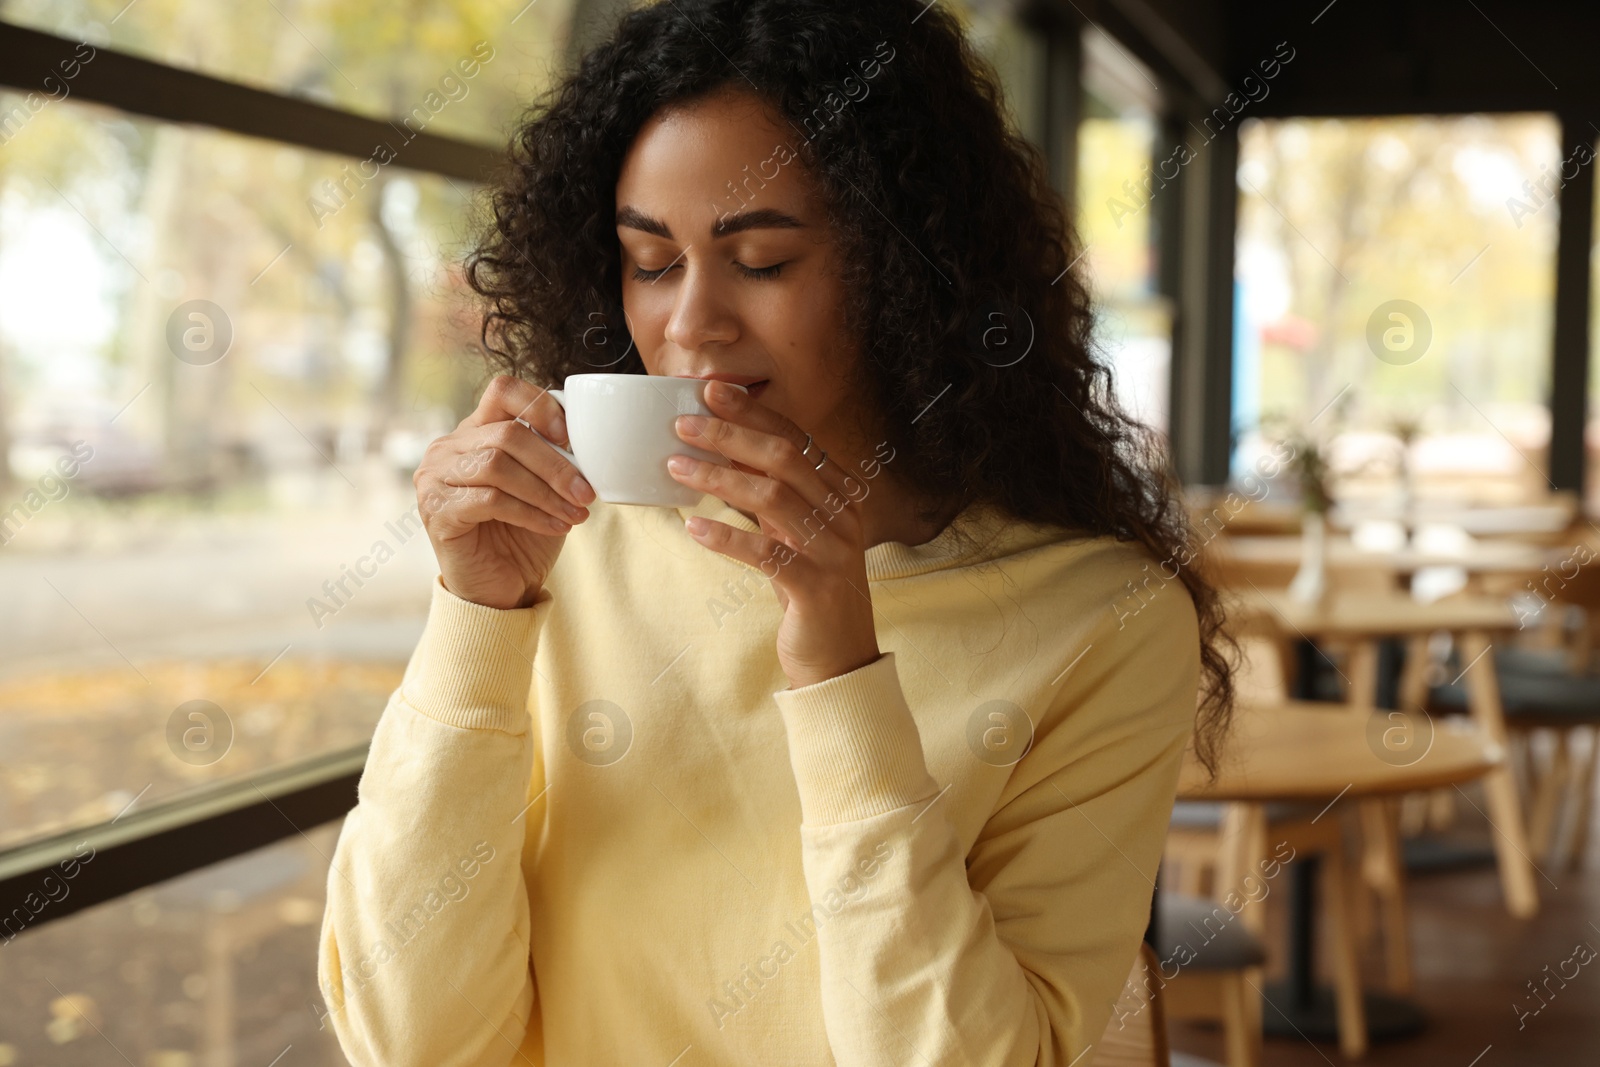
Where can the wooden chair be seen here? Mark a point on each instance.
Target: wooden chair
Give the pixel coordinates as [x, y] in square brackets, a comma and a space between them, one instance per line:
[1541, 696]
[1210, 847]
[1219, 979]
[1136, 1035]
[1549, 684]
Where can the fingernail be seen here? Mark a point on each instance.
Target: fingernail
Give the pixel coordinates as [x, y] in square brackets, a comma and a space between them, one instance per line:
[692, 425]
[720, 391]
[581, 489]
[695, 525]
[558, 427]
[680, 464]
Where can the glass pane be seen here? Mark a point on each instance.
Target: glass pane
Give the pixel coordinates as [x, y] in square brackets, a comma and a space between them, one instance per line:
[211, 402]
[1402, 267]
[218, 966]
[1116, 205]
[463, 67]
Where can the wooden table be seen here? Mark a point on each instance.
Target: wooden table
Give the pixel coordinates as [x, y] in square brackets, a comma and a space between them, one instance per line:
[1321, 753]
[1541, 521]
[1284, 553]
[1362, 619]
[1303, 750]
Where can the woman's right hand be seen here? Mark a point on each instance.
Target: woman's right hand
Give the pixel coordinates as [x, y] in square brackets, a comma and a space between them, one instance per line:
[497, 501]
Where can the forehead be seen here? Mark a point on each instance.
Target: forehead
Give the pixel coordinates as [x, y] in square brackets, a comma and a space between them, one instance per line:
[685, 157]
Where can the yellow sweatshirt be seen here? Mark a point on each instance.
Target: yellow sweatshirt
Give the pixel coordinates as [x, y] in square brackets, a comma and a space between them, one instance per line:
[603, 832]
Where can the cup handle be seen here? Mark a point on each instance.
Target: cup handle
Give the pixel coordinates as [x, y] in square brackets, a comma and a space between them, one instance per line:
[560, 397]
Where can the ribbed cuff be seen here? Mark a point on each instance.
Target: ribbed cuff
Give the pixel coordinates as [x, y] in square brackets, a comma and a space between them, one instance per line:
[854, 746]
[473, 666]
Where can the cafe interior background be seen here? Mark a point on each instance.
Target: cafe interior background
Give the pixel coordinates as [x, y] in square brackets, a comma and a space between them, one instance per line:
[1342, 253]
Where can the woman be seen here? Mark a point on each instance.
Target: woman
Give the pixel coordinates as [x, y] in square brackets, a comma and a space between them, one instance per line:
[869, 757]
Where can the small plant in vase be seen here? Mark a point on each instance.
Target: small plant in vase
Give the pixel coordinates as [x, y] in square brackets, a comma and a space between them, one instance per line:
[1309, 464]
[1405, 427]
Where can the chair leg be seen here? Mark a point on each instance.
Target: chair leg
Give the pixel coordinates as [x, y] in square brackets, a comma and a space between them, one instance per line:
[1243, 843]
[1349, 1007]
[1241, 1029]
[1517, 884]
[1548, 791]
[1414, 808]
[1583, 798]
[1255, 979]
[1441, 809]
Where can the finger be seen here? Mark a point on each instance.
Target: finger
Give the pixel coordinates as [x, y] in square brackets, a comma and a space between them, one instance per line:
[739, 408]
[474, 505]
[775, 455]
[791, 517]
[765, 553]
[507, 397]
[764, 440]
[496, 467]
[525, 446]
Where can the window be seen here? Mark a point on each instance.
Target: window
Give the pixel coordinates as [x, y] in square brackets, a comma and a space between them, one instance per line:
[1116, 210]
[220, 370]
[1403, 268]
[220, 358]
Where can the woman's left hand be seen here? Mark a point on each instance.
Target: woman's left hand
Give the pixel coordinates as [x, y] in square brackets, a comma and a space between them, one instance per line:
[811, 543]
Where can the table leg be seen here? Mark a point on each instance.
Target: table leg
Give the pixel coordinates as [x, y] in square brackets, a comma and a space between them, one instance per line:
[1383, 871]
[1505, 806]
[1363, 667]
[1413, 686]
[1299, 1008]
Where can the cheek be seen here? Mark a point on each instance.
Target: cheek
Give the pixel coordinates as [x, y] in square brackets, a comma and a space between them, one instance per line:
[815, 357]
[794, 329]
[647, 317]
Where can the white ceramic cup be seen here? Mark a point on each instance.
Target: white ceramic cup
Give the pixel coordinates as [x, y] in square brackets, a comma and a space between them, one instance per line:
[622, 430]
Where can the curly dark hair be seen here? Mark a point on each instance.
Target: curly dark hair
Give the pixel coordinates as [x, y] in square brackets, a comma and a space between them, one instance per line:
[957, 255]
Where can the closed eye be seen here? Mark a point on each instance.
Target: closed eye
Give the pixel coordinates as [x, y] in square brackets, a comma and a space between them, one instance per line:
[756, 273]
[760, 272]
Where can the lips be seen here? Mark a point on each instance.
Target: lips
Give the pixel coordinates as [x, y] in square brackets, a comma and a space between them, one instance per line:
[753, 385]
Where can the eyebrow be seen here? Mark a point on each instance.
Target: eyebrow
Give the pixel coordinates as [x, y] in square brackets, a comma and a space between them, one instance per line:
[726, 225]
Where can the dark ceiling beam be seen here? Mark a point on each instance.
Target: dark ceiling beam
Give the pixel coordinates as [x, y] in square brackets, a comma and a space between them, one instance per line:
[31, 62]
[1397, 57]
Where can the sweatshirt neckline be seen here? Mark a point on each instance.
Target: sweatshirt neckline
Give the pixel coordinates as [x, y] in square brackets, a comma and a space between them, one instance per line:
[990, 535]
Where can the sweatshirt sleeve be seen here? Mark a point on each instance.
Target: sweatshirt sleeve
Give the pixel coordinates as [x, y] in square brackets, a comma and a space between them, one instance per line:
[430, 858]
[1015, 953]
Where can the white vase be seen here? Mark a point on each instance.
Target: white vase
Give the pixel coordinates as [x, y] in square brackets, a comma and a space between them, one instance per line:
[1408, 501]
[1310, 582]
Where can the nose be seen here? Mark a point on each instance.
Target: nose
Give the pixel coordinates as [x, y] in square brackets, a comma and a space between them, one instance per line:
[701, 312]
